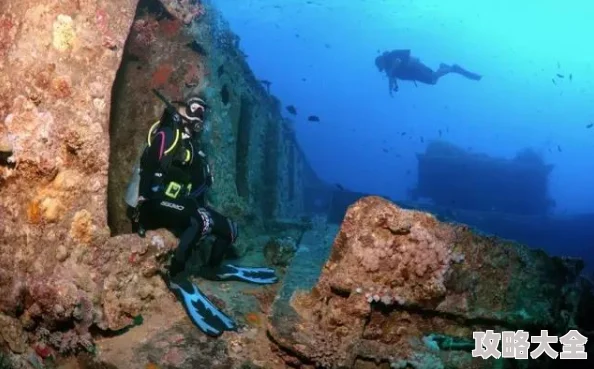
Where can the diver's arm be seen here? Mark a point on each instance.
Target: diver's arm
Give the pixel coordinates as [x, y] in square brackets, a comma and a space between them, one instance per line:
[207, 173]
[393, 85]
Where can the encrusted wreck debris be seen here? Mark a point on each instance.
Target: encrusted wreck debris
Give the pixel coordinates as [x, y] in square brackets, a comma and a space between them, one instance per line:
[402, 290]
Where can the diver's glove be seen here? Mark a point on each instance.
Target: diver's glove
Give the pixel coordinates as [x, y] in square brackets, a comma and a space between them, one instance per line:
[229, 272]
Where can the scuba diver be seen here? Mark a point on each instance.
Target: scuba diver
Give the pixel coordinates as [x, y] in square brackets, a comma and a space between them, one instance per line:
[400, 64]
[168, 191]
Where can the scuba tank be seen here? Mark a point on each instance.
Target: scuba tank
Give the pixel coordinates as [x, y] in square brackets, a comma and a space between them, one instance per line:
[131, 196]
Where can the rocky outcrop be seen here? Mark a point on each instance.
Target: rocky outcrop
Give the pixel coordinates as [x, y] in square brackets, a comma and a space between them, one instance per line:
[401, 288]
[67, 125]
[61, 275]
[58, 61]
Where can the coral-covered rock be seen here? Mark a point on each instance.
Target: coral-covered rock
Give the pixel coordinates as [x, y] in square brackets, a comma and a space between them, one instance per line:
[60, 272]
[403, 289]
[12, 333]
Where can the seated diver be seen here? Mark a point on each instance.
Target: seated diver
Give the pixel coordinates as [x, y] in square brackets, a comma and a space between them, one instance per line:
[174, 177]
[400, 64]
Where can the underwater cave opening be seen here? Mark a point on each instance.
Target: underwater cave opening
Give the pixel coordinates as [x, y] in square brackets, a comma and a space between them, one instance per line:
[132, 113]
[242, 149]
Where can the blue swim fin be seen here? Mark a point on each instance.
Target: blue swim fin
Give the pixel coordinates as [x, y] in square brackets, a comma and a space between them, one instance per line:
[231, 272]
[473, 76]
[203, 313]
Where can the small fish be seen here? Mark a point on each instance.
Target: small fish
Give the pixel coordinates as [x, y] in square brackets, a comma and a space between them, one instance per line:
[560, 75]
[303, 79]
[313, 118]
[440, 133]
[385, 150]
[570, 77]
[327, 46]
[408, 172]
[552, 79]
[558, 65]
[291, 109]
[422, 139]
[590, 125]
[559, 148]
[339, 186]
[403, 134]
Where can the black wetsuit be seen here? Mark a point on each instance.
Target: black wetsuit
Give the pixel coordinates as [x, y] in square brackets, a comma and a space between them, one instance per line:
[408, 70]
[181, 207]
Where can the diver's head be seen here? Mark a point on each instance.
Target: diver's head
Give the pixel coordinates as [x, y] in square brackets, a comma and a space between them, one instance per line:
[192, 111]
[380, 62]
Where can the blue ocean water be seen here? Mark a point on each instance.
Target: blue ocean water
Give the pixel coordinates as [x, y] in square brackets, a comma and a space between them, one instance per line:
[537, 89]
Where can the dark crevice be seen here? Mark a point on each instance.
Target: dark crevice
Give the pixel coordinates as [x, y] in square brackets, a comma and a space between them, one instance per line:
[197, 48]
[98, 332]
[291, 169]
[242, 149]
[290, 352]
[113, 191]
[269, 170]
[225, 95]
[154, 8]
[4, 159]
[344, 293]
[367, 362]
[462, 320]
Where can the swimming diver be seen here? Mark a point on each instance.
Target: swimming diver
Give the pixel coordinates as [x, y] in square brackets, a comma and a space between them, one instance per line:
[172, 180]
[400, 64]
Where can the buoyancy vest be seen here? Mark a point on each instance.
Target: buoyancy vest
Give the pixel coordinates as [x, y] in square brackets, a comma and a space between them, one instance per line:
[175, 181]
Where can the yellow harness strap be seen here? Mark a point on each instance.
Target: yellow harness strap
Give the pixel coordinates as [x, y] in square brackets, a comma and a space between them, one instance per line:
[151, 135]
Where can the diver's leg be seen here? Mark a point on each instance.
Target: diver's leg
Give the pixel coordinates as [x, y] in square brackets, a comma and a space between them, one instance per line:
[177, 216]
[182, 252]
[203, 313]
[226, 233]
[419, 72]
[442, 71]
